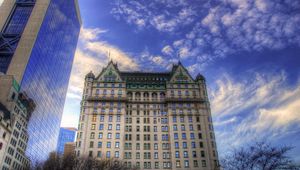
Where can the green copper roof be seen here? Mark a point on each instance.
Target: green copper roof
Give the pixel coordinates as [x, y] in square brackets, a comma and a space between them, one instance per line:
[145, 77]
[16, 85]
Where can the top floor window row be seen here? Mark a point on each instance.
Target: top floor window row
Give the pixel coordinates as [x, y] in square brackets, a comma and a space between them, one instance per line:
[146, 95]
[111, 85]
[183, 86]
[107, 92]
[181, 92]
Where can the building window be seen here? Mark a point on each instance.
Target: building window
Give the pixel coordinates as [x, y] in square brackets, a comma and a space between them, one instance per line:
[110, 118]
[155, 137]
[202, 154]
[191, 127]
[92, 135]
[127, 155]
[155, 146]
[108, 154]
[176, 136]
[186, 163]
[108, 145]
[138, 155]
[155, 155]
[99, 144]
[178, 164]
[182, 128]
[156, 165]
[117, 135]
[184, 145]
[90, 153]
[117, 154]
[99, 154]
[118, 118]
[174, 127]
[192, 135]
[177, 154]
[147, 155]
[193, 144]
[183, 136]
[128, 137]
[93, 126]
[109, 136]
[109, 127]
[201, 144]
[128, 146]
[176, 145]
[194, 154]
[195, 163]
[102, 117]
[117, 144]
[101, 126]
[147, 146]
[203, 163]
[200, 135]
[165, 137]
[100, 135]
[94, 118]
[91, 144]
[185, 154]
[118, 127]
[146, 137]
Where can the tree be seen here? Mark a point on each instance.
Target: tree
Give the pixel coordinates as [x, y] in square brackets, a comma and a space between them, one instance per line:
[71, 162]
[259, 156]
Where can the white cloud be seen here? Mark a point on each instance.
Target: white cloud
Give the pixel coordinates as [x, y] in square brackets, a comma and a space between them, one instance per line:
[167, 50]
[90, 34]
[231, 97]
[102, 48]
[70, 120]
[224, 27]
[143, 14]
[184, 52]
[262, 107]
[158, 60]
[91, 55]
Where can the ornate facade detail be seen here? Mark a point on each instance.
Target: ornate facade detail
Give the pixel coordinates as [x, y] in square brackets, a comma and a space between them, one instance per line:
[149, 120]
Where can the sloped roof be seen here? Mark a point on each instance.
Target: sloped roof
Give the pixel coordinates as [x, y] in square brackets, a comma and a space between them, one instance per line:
[145, 76]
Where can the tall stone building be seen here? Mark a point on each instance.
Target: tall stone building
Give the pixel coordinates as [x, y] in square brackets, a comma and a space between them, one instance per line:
[149, 120]
[15, 111]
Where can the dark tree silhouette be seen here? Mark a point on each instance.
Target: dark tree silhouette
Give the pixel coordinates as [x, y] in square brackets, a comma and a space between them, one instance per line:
[259, 156]
[71, 162]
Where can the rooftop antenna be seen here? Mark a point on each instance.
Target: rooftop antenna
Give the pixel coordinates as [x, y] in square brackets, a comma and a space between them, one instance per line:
[178, 56]
[108, 55]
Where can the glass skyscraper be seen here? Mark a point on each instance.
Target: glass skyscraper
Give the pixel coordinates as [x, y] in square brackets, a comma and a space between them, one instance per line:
[65, 135]
[37, 44]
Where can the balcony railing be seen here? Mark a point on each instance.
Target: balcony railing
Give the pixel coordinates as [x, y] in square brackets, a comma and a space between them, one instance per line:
[173, 99]
[106, 98]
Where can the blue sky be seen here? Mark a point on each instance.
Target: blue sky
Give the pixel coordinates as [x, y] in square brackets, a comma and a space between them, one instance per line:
[248, 50]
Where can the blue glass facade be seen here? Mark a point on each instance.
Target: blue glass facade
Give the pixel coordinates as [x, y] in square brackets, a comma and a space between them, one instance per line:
[11, 33]
[47, 75]
[19, 19]
[65, 135]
